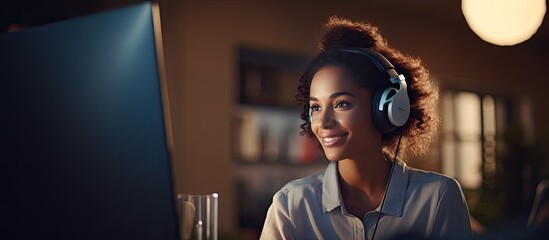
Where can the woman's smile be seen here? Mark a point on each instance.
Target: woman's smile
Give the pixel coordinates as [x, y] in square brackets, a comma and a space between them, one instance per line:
[330, 140]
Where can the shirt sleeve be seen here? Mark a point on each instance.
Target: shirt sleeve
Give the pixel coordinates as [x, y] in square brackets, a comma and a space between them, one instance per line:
[452, 215]
[277, 223]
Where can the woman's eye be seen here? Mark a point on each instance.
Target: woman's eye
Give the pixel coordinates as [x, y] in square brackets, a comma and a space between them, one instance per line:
[315, 108]
[342, 105]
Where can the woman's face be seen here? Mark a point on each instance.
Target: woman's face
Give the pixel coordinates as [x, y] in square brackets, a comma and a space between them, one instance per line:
[341, 115]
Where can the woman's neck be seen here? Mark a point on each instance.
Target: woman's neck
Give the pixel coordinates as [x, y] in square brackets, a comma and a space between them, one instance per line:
[363, 182]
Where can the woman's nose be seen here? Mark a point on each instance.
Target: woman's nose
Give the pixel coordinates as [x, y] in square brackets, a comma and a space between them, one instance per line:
[325, 119]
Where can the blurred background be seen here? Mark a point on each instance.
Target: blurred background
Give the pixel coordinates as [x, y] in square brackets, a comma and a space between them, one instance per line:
[232, 68]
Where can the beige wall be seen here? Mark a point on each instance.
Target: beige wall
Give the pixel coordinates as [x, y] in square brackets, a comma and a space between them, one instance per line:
[200, 39]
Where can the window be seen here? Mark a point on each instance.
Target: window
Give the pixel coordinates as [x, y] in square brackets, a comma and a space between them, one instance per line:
[471, 123]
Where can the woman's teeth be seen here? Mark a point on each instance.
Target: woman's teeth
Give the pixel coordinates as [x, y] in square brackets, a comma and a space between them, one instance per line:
[331, 139]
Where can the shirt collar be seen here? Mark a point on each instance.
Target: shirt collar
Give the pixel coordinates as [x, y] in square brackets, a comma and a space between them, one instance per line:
[331, 195]
[394, 202]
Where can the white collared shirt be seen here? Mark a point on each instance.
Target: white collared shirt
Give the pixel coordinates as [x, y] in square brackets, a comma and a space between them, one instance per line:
[418, 204]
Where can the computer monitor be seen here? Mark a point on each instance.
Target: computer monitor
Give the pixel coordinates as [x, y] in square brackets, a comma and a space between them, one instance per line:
[85, 130]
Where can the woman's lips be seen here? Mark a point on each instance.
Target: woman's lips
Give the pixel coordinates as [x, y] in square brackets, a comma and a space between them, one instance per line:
[329, 141]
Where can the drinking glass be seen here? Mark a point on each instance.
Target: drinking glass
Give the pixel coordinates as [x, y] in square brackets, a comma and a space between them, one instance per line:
[198, 216]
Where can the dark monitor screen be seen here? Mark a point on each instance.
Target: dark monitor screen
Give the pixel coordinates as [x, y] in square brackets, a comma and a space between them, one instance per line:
[84, 130]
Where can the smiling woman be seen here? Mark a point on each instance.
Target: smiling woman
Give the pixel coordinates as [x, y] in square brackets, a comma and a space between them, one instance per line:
[340, 111]
[362, 109]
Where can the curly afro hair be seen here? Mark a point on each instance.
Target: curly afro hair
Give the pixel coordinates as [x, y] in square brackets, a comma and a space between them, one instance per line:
[340, 33]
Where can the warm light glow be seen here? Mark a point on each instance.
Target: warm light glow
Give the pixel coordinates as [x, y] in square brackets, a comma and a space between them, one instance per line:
[504, 22]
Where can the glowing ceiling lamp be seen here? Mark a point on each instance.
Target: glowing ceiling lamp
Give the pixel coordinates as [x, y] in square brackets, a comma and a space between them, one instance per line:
[504, 22]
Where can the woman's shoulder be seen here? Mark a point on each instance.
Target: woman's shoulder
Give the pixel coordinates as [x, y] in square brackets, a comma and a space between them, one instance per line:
[311, 183]
[300, 192]
[428, 183]
[419, 176]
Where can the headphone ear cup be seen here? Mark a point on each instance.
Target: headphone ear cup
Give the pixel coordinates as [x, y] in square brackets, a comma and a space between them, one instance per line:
[398, 110]
[381, 118]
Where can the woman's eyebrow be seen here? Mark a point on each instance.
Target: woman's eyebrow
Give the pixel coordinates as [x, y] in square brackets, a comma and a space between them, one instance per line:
[334, 95]
[337, 94]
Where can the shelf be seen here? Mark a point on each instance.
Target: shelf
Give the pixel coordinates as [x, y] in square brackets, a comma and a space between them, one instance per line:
[271, 135]
[268, 150]
[268, 77]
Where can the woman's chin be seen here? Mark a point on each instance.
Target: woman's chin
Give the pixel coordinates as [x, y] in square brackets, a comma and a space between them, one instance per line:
[333, 157]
